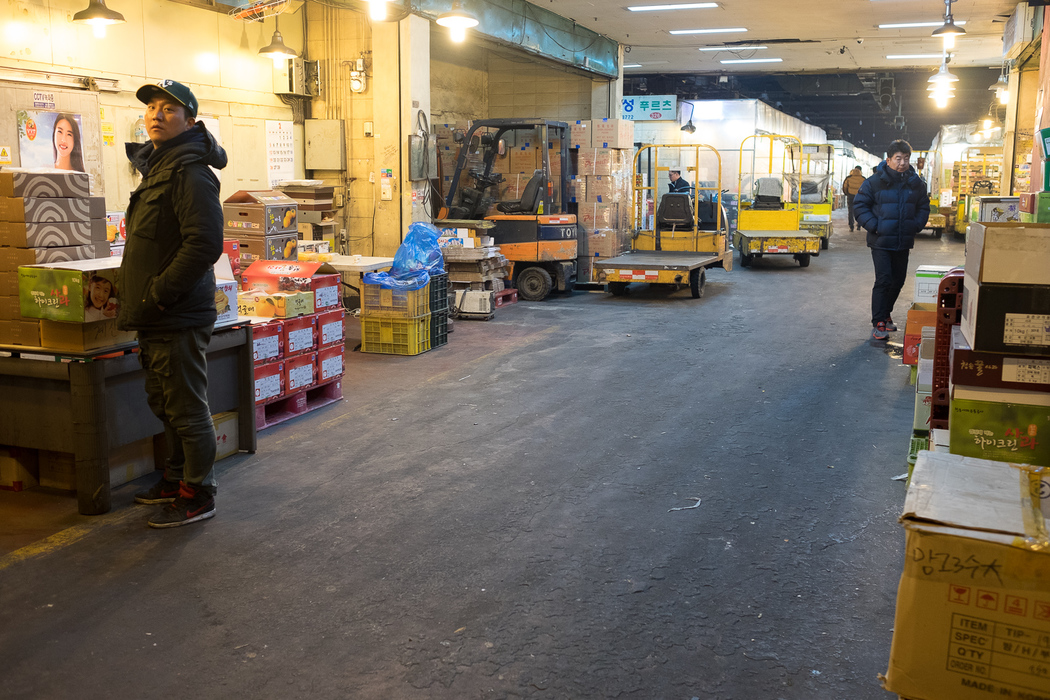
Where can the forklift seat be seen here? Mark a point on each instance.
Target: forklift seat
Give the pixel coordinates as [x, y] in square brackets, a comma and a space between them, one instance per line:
[676, 209]
[769, 193]
[530, 197]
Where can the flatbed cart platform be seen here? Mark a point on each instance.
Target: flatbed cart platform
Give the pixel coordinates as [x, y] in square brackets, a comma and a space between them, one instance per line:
[676, 268]
[754, 244]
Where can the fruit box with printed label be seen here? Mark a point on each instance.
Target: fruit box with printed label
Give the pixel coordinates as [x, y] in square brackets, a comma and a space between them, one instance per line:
[262, 213]
[79, 291]
[269, 381]
[295, 276]
[47, 209]
[82, 337]
[1003, 424]
[331, 328]
[329, 363]
[299, 372]
[267, 341]
[20, 234]
[973, 604]
[996, 370]
[225, 293]
[300, 335]
[1006, 318]
[279, 305]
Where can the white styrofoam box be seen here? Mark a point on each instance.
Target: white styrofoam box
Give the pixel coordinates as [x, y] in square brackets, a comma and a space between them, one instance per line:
[927, 280]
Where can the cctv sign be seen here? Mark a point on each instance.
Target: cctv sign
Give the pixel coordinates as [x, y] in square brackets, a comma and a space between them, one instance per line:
[649, 108]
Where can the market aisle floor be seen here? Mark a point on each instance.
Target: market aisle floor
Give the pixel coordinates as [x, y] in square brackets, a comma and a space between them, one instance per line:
[497, 518]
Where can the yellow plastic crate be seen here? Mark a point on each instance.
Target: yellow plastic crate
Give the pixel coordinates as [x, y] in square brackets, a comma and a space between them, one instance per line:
[379, 301]
[395, 336]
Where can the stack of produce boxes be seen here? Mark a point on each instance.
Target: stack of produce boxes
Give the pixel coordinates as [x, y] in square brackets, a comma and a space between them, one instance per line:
[53, 253]
[602, 188]
[316, 210]
[1000, 358]
[448, 151]
[302, 346]
[264, 224]
[395, 321]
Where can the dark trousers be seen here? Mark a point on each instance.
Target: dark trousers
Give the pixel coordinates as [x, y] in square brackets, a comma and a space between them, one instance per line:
[891, 270]
[177, 392]
[849, 209]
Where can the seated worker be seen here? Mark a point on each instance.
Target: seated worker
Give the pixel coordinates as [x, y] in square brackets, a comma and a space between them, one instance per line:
[678, 184]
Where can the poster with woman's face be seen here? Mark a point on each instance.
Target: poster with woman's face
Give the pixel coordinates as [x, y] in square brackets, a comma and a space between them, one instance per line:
[50, 140]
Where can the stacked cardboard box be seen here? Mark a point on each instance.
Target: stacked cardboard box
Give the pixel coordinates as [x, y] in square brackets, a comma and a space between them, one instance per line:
[1000, 361]
[316, 205]
[448, 150]
[46, 218]
[265, 225]
[293, 351]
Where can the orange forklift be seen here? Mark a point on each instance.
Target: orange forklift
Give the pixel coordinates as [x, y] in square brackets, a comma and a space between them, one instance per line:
[530, 221]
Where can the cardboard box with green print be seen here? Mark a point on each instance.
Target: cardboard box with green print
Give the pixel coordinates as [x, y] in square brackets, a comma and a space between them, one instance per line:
[80, 291]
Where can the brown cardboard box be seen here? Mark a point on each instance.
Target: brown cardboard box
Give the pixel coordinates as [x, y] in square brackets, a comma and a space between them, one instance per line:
[20, 182]
[9, 308]
[227, 434]
[13, 258]
[599, 161]
[580, 134]
[995, 370]
[260, 213]
[598, 215]
[601, 188]
[44, 209]
[1008, 253]
[612, 133]
[919, 316]
[20, 333]
[8, 282]
[20, 234]
[82, 337]
[973, 606]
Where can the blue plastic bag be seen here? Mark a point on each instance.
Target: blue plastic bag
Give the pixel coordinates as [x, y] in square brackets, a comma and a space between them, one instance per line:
[408, 281]
[419, 251]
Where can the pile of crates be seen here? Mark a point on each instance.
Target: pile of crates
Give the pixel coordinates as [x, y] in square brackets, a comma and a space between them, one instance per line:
[403, 322]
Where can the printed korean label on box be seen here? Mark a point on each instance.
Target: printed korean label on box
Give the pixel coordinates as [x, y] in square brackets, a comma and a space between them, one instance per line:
[332, 332]
[267, 387]
[298, 377]
[331, 367]
[325, 297]
[266, 348]
[1026, 329]
[1030, 371]
[301, 339]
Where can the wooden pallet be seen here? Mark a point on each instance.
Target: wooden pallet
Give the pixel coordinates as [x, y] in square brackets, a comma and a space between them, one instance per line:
[464, 316]
[303, 401]
[507, 296]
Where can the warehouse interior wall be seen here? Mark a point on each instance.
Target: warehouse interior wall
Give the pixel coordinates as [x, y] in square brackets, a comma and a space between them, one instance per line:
[459, 80]
[217, 58]
[526, 88]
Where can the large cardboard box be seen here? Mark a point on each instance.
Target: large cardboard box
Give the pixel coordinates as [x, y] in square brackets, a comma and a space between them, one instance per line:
[995, 370]
[524, 159]
[300, 372]
[268, 341]
[330, 363]
[919, 316]
[973, 605]
[20, 333]
[580, 134]
[331, 328]
[269, 381]
[264, 213]
[601, 188]
[83, 337]
[25, 182]
[598, 215]
[300, 335]
[20, 234]
[275, 305]
[928, 281]
[295, 276]
[13, 258]
[79, 291]
[281, 246]
[598, 161]
[612, 133]
[1001, 424]
[1006, 318]
[227, 434]
[10, 308]
[1009, 253]
[44, 209]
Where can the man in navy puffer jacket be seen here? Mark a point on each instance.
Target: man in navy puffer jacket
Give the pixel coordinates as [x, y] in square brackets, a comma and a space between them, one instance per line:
[892, 206]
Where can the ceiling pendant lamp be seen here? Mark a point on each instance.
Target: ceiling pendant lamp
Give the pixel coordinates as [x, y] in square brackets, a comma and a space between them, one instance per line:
[942, 75]
[688, 127]
[949, 30]
[98, 16]
[1001, 87]
[377, 10]
[458, 21]
[277, 50]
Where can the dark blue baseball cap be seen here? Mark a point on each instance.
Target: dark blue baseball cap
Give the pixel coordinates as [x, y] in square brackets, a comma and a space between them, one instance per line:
[176, 91]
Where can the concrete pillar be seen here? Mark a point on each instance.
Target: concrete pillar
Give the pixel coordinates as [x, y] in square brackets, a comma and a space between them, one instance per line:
[415, 99]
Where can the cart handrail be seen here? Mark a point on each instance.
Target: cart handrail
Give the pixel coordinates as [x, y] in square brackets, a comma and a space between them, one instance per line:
[740, 169]
[637, 187]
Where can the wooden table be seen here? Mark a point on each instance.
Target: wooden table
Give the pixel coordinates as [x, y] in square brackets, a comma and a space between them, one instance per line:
[87, 404]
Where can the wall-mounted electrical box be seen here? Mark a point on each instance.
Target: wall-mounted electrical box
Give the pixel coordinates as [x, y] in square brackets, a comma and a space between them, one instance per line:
[422, 157]
[297, 77]
[325, 144]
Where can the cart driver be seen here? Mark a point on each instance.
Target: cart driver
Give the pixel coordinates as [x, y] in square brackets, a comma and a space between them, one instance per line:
[678, 184]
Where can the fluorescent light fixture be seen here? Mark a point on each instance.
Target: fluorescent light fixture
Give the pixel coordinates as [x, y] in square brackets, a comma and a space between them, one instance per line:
[909, 25]
[685, 6]
[733, 48]
[722, 30]
[752, 60]
[632, 65]
[914, 55]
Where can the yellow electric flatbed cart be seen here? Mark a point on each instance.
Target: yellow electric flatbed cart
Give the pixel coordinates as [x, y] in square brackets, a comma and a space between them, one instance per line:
[765, 225]
[676, 235]
[810, 174]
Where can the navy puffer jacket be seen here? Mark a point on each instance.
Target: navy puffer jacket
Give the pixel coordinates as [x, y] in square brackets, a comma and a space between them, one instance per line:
[892, 207]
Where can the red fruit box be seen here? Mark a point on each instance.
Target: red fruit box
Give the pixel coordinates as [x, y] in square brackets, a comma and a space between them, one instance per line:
[299, 372]
[331, 328]
[329, 363]
[268, 341]
[269, 381]
[300, 335]
[273, 276]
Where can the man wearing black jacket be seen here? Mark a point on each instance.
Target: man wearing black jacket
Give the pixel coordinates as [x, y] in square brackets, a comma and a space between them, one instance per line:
[677, 184]
[174, 223]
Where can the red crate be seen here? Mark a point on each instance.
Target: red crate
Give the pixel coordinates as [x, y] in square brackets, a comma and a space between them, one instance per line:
[270, 414]
[300, 372]
[267, 341]
[327, 292]
[300, 335]
[331, 328]
[269, 382]
[330, 363]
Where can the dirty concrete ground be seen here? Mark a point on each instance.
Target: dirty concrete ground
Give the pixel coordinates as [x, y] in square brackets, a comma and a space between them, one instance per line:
[496, 518]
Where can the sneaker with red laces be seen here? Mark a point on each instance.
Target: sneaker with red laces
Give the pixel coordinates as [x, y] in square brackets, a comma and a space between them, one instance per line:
[877, 333]
[191, 505]
[890, 325]
[161, 492]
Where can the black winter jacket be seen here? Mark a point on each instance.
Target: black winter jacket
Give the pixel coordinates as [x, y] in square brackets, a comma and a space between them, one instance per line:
[174, 225]
[892, 207]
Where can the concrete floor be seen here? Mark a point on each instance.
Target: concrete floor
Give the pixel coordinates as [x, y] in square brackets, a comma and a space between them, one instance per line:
[493, 518]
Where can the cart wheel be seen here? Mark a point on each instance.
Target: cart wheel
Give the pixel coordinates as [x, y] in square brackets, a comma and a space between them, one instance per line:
[824, 243]
[618, 289]
[697, 280]
[534, 284]
[803, 259]
[746, 259]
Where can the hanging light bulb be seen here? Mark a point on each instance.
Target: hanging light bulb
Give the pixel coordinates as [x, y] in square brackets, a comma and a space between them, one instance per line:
[942, 75]
[277, 50]
[377, 10]
[1001, 88]
[99, 17]
[948, 31]
[458, 21]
